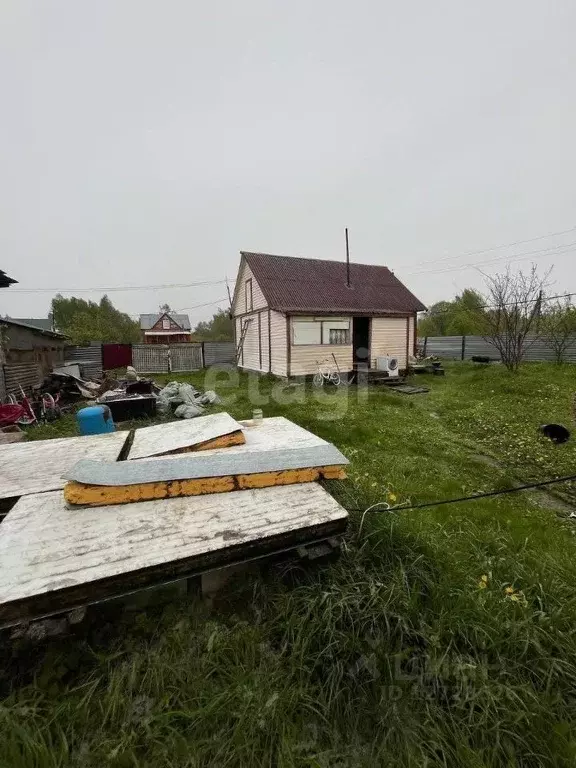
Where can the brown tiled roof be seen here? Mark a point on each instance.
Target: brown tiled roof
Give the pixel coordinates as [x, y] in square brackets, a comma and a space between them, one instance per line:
[291, 284]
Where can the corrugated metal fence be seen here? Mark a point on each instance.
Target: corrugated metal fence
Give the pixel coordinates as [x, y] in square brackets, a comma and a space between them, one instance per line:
[219, 352]
[465, 347]
[164, 358]
[89, 359]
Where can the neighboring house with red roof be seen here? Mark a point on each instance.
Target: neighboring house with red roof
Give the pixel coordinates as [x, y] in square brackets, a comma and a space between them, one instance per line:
[291, 312]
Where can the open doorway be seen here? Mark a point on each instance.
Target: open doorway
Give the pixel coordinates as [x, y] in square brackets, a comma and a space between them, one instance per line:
[361, 341]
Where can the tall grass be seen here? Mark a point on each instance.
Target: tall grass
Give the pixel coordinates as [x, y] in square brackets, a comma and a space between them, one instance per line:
[442, 638]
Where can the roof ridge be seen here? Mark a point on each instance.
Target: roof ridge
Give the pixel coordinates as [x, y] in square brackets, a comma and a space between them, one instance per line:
[320, 261]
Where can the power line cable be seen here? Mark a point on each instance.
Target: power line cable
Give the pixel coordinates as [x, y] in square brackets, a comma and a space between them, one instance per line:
[495, 247]
[512, 257]
[119, 288]
[197, 306]
[432, 313]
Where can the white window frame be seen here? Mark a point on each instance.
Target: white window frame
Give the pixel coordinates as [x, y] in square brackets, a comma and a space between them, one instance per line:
[324, 326]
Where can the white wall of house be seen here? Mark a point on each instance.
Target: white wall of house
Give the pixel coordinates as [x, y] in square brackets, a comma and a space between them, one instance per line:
[278, 343]
[250, 355]
[264, 342]
[258, 301]
[388, 337]
[411, 338]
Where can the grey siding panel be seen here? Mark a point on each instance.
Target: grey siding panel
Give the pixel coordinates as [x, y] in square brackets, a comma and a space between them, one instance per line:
[449, 347]
[219, 352]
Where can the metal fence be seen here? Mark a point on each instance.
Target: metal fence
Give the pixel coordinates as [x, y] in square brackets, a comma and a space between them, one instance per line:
[89, 359]
[164, 358]
[465, 347]
[219, 352]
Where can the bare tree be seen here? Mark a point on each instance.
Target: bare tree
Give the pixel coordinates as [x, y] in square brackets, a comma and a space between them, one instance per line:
[558, 324]
[514, 300]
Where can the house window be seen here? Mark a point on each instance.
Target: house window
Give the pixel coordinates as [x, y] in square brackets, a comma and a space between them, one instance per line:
[165, 323]
[307, 332]
[319, 331]
[248, 292]
[337, 336]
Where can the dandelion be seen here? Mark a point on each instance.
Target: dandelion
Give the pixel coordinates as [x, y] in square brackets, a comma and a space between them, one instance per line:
[391, 497]
[483, 583]
[509, 590]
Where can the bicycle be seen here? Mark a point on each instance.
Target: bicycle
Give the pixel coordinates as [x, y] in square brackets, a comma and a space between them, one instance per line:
[325, 373]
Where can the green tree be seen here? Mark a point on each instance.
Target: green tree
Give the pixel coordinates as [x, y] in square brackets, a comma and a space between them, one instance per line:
[219, 328]
[86, 321]
[463, 316]
[558, 325]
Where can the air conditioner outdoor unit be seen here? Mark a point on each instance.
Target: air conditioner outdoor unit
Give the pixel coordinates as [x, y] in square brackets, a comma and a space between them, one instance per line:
[388, 363]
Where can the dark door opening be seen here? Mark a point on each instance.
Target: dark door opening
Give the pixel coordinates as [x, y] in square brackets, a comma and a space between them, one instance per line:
[361, 341]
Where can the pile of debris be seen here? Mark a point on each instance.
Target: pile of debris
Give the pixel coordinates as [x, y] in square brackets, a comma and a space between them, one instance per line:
[131, 397]
[184, 400]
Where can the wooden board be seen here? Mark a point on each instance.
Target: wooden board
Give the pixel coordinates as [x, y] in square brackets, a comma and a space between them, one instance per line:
[274, 433]
[213, 431]
[53, 558]
[38, 466]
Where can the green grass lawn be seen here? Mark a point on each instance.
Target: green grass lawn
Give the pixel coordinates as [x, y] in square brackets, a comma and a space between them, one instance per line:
[442, 637]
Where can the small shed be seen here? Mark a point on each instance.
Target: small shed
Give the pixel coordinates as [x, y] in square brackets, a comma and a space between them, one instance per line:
[291, 313]
[27, 354]
[165, 328]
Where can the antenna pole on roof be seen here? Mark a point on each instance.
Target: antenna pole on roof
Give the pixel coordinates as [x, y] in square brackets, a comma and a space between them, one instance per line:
[347, 260]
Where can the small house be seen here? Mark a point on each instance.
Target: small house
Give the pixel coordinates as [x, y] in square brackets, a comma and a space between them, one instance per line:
[290, 314]
[165, 328]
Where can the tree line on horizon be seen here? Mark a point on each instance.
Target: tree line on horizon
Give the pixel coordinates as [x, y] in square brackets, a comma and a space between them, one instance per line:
[86, 321]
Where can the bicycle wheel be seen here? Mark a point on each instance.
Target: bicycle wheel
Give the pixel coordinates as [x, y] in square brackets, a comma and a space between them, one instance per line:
[318, 380]
[335, 378]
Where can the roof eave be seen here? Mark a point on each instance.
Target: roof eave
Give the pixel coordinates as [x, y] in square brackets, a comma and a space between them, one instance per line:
[344, 311]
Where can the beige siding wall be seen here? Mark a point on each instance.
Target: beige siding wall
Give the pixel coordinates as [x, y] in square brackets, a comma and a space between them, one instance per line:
[303, 357]
[278, 336]
[388, 337]
[411, 341]
[264, 340]
[258, 300]
[250, 357]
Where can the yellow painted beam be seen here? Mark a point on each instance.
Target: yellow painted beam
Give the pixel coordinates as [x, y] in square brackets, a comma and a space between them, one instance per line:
[103, 495]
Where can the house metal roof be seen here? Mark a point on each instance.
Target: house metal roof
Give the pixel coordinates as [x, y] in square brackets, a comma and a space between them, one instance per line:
[44, 323]
[42, 331]
[291, 284]
[149, 321]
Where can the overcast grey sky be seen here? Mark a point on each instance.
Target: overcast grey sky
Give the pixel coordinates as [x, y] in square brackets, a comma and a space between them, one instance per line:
[146, 143]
